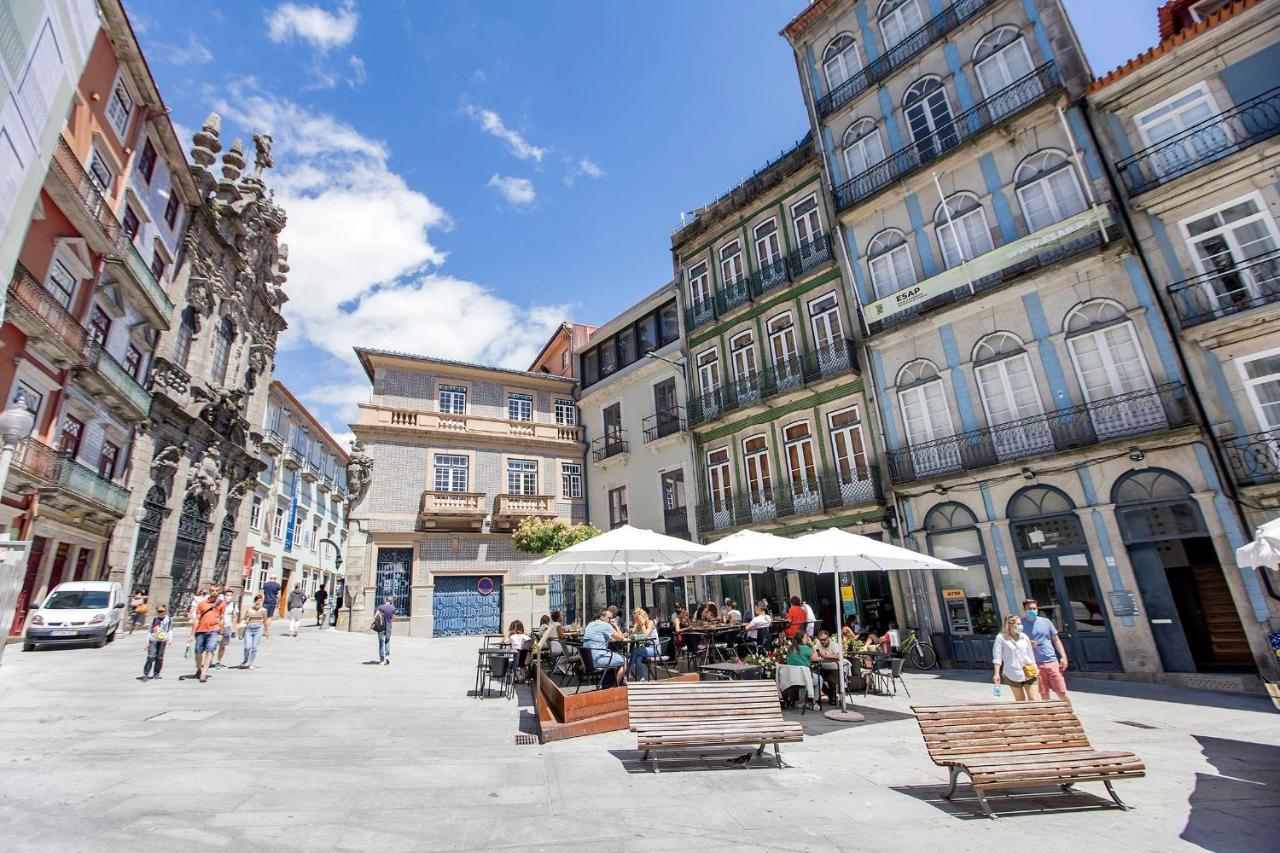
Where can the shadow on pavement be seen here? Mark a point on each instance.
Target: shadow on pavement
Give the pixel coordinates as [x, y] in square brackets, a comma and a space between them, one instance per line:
[719, 758]
[1240, 809]
[1036, 801]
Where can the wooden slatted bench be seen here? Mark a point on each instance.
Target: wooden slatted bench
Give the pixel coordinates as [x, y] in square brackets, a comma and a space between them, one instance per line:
[1019, 745]
[669, 715]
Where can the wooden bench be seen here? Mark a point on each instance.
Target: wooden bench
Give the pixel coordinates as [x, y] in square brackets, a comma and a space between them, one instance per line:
[1019, 745]
[667, 715]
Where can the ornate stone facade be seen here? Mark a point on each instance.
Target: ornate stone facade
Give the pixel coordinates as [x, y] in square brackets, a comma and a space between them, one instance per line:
[192, 465]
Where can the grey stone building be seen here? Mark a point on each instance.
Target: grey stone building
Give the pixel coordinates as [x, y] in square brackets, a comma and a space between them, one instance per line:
[192, 466]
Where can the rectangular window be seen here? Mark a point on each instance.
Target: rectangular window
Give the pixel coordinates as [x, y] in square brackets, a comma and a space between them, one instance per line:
[668, 324]
[147, 161]
[255, 513]
[158, 266]
[647, 332]
[590, 367]
[699, 286]
[566, 413]
[1261, 376]
[613, 422]
[133, 361]
[453, 400]
[129, 224]
[69, 440]
[617, 507]
[277, 529]
[522, 477]
[451, 473]
[570, 480]
[61, 283]
[33, 398]
[519, 407]
[608, 359]
[119, 106]
[171, 208]
[626, 341]
[99, 326]
[268, 473]
[107, 460]
[100, 174]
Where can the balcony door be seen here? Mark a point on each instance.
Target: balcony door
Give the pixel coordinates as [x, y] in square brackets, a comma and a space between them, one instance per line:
[613, 423]
[755, 455]
[1260, 375]
[674, 514]
[928, 112]
[1002, 59]
[1234, 249]
[801, 468]
[1182, 116]
[709, 382]
[666, 407]
[1009, 395]
[928, 421]
[1109, 363]
[828, 334]
[850, 455]
[782, 351]
[746, 370]
[720, 488]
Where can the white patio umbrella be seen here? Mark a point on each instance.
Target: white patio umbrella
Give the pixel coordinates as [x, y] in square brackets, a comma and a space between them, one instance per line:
[1264, 550]
[733, 551]
[630, 551]
[836, 551]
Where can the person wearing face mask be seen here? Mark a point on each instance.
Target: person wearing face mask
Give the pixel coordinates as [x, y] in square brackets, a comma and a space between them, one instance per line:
[1051, 657]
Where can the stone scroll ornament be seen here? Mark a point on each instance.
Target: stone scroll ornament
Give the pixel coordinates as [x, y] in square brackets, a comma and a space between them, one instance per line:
[359, 474]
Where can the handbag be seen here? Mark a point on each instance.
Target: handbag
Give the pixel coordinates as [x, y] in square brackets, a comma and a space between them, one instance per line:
[1030, 670]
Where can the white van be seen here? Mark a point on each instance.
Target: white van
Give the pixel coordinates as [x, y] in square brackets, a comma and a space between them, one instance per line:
[76, 612]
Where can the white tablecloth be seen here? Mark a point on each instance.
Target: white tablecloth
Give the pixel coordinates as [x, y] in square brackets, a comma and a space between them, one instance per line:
[798, 676]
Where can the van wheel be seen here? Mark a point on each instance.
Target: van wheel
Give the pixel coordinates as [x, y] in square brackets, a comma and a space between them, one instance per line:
[28, 647]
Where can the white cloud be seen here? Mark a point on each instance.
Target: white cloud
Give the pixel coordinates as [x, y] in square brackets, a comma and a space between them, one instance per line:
[194, 52]
[591, 170]
[583, 166]
[493, 125]
[517, 191]
[327, 74]
[365, 267]
[322, 29]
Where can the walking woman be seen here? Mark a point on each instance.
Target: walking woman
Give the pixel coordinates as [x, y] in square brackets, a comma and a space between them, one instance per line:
[257, 626]
[1014, 662]
[157, 640]
[297, 600]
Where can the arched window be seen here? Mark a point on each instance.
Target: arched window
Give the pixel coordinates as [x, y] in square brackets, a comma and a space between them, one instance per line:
[1044, 517]
[1048, 189]
[889, 259]
[1035, 501]
[1109, 364]
[953, 535]
[1010, 397]
[841, 60]
[1000, 59]
[222, 351]
[928, 112]
[899, 19]
[1155, 505]
[964, 233]
[862, 147]
[928, 420]
[182, 343]
[755, 458]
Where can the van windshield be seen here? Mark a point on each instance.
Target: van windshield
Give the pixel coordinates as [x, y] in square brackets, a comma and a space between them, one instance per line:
[76, 599]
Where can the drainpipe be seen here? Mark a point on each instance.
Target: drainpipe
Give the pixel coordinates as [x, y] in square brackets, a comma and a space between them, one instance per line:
[1215, 447]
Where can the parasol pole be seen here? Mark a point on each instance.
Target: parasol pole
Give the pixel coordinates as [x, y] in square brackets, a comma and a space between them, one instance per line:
[844, 714]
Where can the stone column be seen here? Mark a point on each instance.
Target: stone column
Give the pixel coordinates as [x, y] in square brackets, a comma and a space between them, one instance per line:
[161, 576]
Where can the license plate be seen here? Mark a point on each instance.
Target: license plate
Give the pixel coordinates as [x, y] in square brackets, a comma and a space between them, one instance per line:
[63, 633]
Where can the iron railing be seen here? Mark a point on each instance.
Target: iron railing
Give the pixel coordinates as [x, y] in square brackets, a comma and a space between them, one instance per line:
[917, 154]
[1254, 460]
[293, 455]
[808, 257]
[56, 469]
[699, 313]
[769, 276]
[827, 491]
[664, 423]
[271, 438]
[44, 307]
[1142, 412]
[1081, 244]
[1233, 289]
[116, 377]
[933, 30]
[141, 272]
[675, 521]
[613, 444]
[732, 294]
[90, 199]
[783, 375]
[803, 260]
[1219, 136]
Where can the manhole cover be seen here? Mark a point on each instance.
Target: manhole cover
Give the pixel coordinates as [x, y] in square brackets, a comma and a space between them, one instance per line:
[182, 716]
[1136, 725]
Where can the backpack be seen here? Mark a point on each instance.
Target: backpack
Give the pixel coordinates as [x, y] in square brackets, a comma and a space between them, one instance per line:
[379, 622]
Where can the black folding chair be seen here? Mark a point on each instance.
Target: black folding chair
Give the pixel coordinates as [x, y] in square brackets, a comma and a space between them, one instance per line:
[588, 671]
[502, 669]
[891, 676]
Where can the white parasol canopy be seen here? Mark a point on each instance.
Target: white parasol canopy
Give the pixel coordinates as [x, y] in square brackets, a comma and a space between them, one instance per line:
[733, 549]
[1264, 550]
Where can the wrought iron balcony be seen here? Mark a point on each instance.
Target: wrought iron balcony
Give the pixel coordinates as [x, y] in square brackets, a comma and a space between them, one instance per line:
[699, 313]
[768, 277]
[810, 256]
[732, 295]
[675, 521]
[613, 444]
[65, 482]
[784, 375]
[272, 442]
[128, 267]
[1084, 243]
[1235, 288]
[1236, 129]
[1254, 459]
[826, 492]
[81, 201]
[292, 458]
[1151, 410]
[50, 328]
[933, 30]
[800, 263]
[103, 374]
[664, 423]
[918, 153]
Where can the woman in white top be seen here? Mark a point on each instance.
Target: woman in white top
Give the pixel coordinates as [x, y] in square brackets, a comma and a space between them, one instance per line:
[1015, 662]
[643, 628]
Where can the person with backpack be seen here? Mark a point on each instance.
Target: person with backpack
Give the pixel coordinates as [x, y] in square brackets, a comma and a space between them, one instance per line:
[383, 618]
[297, 599]
[321, 596]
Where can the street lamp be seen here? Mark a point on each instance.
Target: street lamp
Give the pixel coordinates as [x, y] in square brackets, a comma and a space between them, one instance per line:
[16, 423]
[330, 605]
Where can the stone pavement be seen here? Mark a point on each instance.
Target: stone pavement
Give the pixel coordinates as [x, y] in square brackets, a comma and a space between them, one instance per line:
[316, 750]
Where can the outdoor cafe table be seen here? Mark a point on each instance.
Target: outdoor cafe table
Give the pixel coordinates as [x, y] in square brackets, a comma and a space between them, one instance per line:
[735, 671]
[491, 651]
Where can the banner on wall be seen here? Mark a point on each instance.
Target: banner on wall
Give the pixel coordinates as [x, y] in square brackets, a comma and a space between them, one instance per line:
[247, 570]
[999, 258]
[293, 512]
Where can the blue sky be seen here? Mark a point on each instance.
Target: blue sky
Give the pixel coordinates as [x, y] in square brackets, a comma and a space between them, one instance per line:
[461, 177]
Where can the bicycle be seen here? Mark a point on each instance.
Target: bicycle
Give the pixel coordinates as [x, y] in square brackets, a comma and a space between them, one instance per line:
[917, 653]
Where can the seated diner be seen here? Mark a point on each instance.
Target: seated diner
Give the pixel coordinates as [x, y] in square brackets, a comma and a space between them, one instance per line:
[596, 638]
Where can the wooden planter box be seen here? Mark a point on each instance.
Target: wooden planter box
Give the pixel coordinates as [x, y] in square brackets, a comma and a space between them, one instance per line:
[564, 715]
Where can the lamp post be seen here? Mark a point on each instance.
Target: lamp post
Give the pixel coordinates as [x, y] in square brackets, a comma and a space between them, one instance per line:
[330, 604]
[16, 423]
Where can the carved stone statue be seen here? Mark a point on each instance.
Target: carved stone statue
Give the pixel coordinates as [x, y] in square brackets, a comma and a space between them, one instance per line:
[359, 474]
[205, 480]
[222, 412]
[262, 159]
[165, 463]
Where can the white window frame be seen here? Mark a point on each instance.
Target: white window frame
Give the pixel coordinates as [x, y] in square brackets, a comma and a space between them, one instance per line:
[566, 412]
[897, 16]
[571, 480]
[120, 127]
[517, 410]
[923, 103]
[999, 56]
[748, 352]
[838, 60]
[255, 513]
[520, 473]
[1248, 383]
[708, 362]
[904, 246]
[452, 393]
[811, 218]
[828, 323]
[448, 465]
[1201, 87]
[785, 362]
[720, 479]
[861, 145]
[700, 285]
[766, 254]
[849, 431]
[1263, 215]
[808, 483]
[730, 255]
[760, 485]
[947, 222]
[1055, 202]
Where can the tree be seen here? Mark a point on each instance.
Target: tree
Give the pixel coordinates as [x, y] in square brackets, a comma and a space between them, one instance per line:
[547, 537]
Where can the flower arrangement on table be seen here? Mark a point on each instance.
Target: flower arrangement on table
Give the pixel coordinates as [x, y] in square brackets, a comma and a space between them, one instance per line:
[774, 658]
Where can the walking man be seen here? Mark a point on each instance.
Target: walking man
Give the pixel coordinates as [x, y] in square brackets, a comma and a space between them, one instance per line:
[1051, 657]
[297, 600]
[271, 595]
[208, 630]
[321, 595]
[229, 617]
[382, 619]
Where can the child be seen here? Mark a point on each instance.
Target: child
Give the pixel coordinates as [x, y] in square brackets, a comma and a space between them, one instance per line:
[157, 640]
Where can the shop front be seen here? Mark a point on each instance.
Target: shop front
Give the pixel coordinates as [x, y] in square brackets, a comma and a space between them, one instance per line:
[969, 613]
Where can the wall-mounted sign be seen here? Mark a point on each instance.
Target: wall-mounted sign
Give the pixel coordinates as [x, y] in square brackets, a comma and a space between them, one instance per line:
[485, 586]
[1123, 603]
[953, 594]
